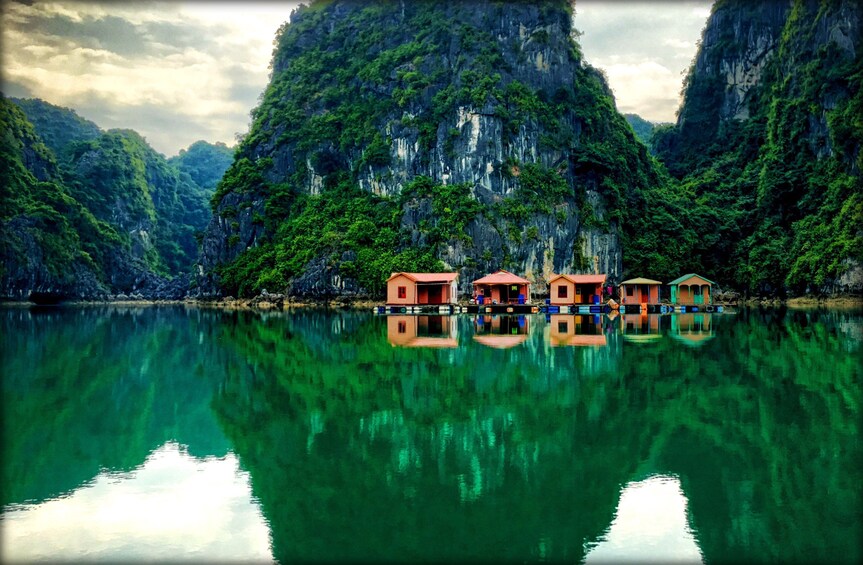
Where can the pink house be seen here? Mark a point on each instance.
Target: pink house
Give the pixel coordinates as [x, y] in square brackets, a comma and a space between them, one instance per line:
[415, 289]
[575, 289]
[502, 287]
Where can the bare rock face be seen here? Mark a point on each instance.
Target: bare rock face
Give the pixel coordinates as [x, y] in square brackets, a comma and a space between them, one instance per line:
[478, 140]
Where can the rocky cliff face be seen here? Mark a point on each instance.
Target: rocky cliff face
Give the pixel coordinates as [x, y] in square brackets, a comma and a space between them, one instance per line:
[768, 134]
[376, 95]
[108, 219]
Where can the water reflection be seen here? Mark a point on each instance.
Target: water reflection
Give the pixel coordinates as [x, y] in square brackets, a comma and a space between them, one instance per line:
[174, 507]
[422, 331]
[691, 328]
[357, 450]
[576, 330]
[651, 520]
[641, 328]
[501, 331]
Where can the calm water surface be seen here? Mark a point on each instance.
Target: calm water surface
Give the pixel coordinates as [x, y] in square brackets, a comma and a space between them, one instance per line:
[189, 434]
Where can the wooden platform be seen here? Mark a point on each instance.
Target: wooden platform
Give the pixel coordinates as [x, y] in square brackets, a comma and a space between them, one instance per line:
[501, 308]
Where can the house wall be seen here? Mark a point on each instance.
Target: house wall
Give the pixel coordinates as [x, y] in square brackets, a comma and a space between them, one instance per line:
[641, 294]
[686, 294]
[393, 295]
[570, 292]
[494, 292]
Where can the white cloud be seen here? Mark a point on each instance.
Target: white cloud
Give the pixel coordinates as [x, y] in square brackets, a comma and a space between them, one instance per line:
[174, 507]
[646, 88]
[190, 60]
[644, 49]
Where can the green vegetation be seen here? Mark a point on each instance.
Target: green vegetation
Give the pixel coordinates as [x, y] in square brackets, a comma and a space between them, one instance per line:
[57, 127]
[205, 162]
[643, 129]
[336, 98]
[80, 199]
[776, 200]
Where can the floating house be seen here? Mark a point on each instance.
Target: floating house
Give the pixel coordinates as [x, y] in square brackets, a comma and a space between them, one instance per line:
[501, 287]
[568, 290]
[415, 289]
[639, 291]
[422, 331]
[691, 289]
[576, 330]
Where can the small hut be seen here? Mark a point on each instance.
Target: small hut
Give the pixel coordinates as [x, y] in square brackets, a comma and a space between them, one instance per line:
[639, 291]
[691, 289]
[575, 289]
[415, 289]
[501, 287]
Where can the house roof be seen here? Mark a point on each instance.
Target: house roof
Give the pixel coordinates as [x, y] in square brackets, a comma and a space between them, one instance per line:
[427, 277]
[501, 277]
[580, 279]
[642, 280]
[679, 280]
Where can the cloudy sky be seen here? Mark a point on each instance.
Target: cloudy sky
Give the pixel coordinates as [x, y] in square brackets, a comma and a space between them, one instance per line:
[178, 72]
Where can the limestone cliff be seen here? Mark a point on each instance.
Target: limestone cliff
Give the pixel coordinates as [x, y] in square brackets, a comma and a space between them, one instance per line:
[365, 98]
[769, 137]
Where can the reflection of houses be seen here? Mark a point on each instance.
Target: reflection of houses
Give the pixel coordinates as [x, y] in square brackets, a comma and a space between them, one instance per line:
[575, 289]
[501, 332]
[422, 331]
[691, 289]
[412, 289]
[570, 329]
[639, 291]
[693, 329]
[640, 327]
[502, 287]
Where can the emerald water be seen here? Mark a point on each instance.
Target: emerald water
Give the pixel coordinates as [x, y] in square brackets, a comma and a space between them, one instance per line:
[172, 433]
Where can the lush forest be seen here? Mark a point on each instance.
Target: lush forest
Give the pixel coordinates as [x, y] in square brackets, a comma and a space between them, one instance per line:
[464, 136]
[767, 203]
[433, 139]
[774, 193]
[88, 213]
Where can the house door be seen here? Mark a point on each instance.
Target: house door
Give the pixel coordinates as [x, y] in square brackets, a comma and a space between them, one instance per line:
[435, 295]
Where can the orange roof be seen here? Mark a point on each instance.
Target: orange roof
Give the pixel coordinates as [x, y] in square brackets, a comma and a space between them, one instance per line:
[501, 277]
[581, 279]
[427, 277]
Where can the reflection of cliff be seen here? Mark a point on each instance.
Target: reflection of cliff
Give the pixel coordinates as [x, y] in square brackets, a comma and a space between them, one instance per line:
[91, 389]
[366, 450]
[360, 451]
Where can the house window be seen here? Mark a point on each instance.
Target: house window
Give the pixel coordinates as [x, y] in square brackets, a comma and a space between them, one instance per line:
[561, 291]
[562, 327]
[403, 327]
[630, 291]
[403, 292]
[577, 291]
[515, 288]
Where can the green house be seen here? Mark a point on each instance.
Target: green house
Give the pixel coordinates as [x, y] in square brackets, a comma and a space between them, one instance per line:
[691, 289]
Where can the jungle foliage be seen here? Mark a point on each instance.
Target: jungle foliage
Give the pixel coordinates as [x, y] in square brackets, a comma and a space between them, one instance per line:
[776, 200]
[73, 196]
[334, 99]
